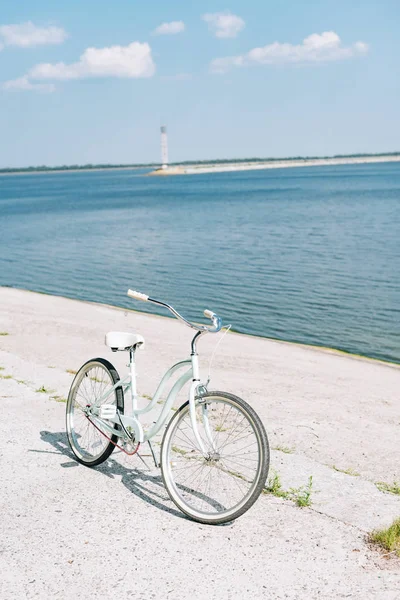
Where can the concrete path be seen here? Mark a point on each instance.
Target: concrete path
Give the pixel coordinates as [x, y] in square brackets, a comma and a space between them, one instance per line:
[67, 531]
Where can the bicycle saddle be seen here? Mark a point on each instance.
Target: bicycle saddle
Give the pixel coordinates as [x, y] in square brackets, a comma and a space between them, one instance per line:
[118, 340]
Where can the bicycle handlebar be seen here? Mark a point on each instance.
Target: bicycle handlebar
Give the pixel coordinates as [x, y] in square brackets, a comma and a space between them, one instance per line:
[138, 295]
[216, 320]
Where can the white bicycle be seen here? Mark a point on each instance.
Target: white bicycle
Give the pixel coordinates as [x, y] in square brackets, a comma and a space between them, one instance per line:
[214, 453]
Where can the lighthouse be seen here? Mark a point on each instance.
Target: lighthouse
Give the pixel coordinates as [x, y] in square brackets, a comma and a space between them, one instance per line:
[164, 147]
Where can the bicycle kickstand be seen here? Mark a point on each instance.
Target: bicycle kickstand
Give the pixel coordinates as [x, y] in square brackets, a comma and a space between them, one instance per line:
[156, 462]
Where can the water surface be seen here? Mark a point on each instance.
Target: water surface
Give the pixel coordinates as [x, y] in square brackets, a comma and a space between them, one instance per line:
[309, 255]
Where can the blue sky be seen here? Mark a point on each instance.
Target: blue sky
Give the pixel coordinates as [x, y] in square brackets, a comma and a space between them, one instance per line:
[231, 79]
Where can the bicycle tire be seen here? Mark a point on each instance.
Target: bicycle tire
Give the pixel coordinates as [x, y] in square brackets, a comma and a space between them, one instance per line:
[176, 459]
[87, 391]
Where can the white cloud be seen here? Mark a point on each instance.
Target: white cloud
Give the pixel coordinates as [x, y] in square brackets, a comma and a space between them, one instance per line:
[23, 83]
[134, 60]
[224, 24]
[26, 35]
[170, 28]
[315, 48]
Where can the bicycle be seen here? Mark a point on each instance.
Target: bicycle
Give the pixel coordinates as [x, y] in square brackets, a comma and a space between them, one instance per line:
[214, 455]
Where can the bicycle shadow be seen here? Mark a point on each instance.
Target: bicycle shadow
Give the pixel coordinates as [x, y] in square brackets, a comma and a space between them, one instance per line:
[145, 486]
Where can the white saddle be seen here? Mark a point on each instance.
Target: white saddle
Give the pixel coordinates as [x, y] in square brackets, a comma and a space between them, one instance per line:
[118, 340]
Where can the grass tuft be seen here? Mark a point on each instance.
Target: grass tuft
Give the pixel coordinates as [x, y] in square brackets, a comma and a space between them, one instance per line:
[219, 428]
[388, 539]
[43, 390]
[58, 399]
[3, 333]
[284, 449]
[302, 495]
[6, 377]
[179, 450]
[349, 471]
[238, 475]
[274, 486]
[389, 488]
[71, 371]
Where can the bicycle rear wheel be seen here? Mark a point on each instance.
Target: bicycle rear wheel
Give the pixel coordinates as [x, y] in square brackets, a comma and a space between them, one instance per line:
[93, 385]
[222, 483]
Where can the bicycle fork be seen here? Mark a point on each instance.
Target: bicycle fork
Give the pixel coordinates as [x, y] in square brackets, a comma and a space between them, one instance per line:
[193, 394]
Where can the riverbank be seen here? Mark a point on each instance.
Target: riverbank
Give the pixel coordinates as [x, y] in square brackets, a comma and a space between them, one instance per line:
[197, 169]
[328, 416]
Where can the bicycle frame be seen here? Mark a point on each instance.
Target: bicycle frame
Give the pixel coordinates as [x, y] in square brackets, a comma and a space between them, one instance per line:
[130, 421]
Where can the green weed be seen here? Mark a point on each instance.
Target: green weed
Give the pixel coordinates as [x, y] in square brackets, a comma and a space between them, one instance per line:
[58, 399]
[238, 475]
[389, 488]
[388, 539]
[220, 428]
[179, 450]
[43, 390]
[302, 495]
[284, 449]
[274, 486]
[349, 471]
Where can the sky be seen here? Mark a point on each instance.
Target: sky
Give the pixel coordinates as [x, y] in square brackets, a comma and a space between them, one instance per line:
[91, 82]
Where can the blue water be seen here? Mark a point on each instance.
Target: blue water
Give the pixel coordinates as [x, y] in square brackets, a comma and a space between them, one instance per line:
[309, 255]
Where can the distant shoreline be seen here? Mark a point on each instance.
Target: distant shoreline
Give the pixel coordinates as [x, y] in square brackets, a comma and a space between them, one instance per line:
[276, 164]
[214, 166]
[51, 170]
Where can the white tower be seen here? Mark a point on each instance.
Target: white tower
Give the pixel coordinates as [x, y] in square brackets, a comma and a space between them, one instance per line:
[164, 148]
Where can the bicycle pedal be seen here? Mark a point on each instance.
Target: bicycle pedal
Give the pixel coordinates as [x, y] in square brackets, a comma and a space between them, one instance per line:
[107, 411]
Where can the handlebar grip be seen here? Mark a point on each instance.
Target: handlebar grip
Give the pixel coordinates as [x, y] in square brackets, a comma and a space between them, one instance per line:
[137, 295]
[209, 314]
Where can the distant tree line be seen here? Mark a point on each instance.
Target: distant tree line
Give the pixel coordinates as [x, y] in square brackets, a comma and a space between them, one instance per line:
[89, 167]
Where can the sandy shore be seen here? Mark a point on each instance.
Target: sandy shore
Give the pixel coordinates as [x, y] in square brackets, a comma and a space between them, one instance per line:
[99, 530]
[276, 164]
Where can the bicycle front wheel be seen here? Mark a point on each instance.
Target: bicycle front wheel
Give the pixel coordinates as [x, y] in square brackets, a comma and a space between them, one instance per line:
[94, 385]
[222, 482]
